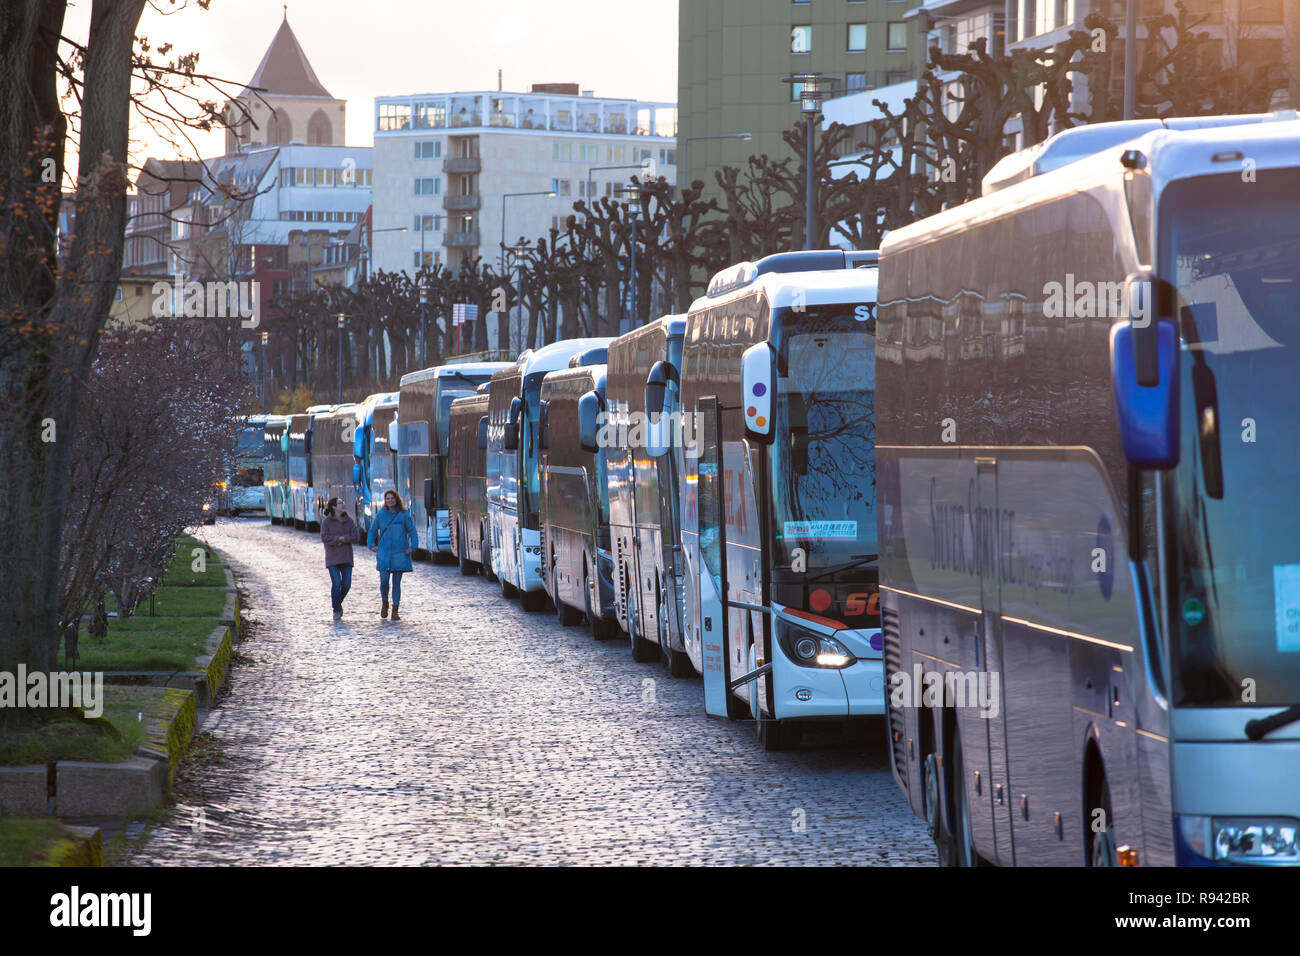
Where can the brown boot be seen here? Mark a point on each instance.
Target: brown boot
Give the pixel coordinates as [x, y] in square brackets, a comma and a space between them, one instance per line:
[383, 609]
[395, 617]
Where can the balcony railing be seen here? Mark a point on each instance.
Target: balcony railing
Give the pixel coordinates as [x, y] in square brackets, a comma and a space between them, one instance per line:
[462, 164]
[460, 203]
[461, 240]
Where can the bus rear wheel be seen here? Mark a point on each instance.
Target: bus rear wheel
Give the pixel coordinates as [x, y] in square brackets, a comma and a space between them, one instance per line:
[961, 845]
[532, 600]
[508, 590]
[1101, 848]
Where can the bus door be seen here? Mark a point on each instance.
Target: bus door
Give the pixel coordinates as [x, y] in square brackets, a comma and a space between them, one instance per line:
[988, 558]
[712, 585]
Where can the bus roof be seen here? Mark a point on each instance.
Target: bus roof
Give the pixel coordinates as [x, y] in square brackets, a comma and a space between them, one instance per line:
[454, 371]
[1169, 154]
[556, 355]
[787, 289]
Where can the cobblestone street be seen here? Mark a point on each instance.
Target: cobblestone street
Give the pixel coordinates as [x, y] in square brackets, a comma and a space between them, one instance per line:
[474, 732]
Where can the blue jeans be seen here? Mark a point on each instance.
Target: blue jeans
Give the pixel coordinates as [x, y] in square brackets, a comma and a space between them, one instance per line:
[397, 586]
[340, 583]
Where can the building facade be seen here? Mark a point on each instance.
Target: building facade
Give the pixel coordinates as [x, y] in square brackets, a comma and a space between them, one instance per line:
[450, 167]
[733, 55]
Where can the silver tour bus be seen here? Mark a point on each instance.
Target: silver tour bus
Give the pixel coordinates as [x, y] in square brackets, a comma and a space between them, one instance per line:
[1086, 409]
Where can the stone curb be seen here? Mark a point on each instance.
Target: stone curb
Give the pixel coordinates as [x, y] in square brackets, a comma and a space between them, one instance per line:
[84, 846]
[169, 730]
[130, 788]
[23, 791]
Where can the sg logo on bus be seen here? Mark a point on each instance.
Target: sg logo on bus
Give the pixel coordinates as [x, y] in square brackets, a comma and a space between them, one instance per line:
[855, 605]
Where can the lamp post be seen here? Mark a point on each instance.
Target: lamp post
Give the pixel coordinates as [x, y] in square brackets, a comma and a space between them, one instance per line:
[594, 169]
[632, 196]
[518, 251]
[424, 332]
[504, 197]
[340, 358]
[264, 337]
[1130, 59]
[810, 93]
[681, 164]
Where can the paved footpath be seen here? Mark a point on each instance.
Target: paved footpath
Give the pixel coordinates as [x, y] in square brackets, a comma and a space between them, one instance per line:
[474, 732]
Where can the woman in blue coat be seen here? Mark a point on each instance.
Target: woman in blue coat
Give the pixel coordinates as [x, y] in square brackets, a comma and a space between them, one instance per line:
[393, 538]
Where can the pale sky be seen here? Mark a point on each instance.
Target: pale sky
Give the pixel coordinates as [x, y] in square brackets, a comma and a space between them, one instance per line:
[361, 49]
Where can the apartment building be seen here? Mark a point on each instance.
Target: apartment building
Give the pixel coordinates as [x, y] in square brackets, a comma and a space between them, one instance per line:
[463, 173]
[732, 57]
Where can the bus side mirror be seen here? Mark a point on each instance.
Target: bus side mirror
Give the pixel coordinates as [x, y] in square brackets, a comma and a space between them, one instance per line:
[428, 496]
[1148, 414]
[589, 422]
[393, 444]
[656, 400]
[543, 425]
[1140, 298]
[356, 474]
[757, 379]
[510, 440]
[482, 432]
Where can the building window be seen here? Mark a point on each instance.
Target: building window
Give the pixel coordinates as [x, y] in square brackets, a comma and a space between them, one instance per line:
[855, 82]
[428, 186]
[428, 223]
[801, 39]
[614, 154]
[394, 116]
[117, 294]
[641, 154]
[590, 153]
[325, 177]
[428, 148]
[667, 157]
[430, 116]
[304, 177]
[561, 187]
[562, 152]
[895, 76]
[857, 42]
[897, 37]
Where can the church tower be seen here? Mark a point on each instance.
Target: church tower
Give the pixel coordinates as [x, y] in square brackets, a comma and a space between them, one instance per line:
[292, 105]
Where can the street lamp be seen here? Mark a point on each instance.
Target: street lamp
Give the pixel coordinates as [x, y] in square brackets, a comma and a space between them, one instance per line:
[810, 90]
[340, 358]
[504, 197]
[264, 337]
[681, 157]
[632, 196]
[519, 250]
[424, 332]
[593, 169]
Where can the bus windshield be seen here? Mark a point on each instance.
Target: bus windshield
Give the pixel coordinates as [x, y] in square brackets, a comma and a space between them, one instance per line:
[1232, 250]
[823, 455]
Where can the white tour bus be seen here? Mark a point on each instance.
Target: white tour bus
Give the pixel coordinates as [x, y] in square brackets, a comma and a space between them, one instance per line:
[514, 520]
[1090, 554]
[778, 492]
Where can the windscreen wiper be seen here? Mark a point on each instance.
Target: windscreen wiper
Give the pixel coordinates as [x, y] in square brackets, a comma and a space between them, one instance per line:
[1257, 728]
[857, 562]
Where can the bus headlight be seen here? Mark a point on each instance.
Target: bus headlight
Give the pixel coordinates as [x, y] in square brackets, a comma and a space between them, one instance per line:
[810, 649]
[1243, 839]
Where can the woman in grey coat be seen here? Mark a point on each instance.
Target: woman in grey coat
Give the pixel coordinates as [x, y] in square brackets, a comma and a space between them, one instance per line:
[338, 531]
